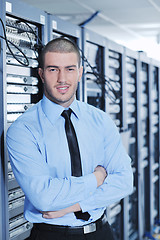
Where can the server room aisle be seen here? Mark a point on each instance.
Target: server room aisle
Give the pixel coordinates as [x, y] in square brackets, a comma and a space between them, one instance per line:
[117, 80]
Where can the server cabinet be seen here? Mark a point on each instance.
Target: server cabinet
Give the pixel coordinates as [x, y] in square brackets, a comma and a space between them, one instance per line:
[99, 85]
[131, 202]
[115, 100]
[143, 142]
[57, 28]
[102, 87]
[93, 62]
[115, 69]
[22, 42]
[153, 207]
[3, 191]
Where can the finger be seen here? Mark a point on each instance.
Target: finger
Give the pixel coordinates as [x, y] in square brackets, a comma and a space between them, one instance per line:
[43, 212]
[45, 215]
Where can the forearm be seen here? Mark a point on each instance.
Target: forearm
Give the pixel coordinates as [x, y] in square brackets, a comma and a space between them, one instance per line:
[47, 193]
[110, 191]
[115, 187]
[56, 214]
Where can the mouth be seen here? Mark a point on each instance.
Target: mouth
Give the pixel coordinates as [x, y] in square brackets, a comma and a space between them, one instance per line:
[62, 89]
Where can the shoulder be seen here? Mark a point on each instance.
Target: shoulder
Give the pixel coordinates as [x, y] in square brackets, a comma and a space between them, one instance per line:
[100, 121]
[92, 112]
[97, 118]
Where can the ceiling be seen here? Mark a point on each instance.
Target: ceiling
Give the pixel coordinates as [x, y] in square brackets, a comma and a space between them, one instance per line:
[133, 23]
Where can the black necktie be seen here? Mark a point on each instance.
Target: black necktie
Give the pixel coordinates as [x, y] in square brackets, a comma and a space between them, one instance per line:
[74, 154]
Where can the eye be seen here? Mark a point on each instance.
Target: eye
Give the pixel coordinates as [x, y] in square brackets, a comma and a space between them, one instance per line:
[70, 69]
[52, 69]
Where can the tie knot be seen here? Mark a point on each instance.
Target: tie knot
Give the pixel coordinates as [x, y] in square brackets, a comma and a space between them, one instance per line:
[66, 113]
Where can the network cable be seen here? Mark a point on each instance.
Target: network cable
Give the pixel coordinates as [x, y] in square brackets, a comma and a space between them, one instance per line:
[12, 53]
[102, 79]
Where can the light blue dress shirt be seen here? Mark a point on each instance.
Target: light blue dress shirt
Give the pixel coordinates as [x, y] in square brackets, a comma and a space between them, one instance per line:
[40, 160]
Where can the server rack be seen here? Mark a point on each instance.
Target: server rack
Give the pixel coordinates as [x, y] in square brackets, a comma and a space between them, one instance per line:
[153, 208]
[58, 27]
[134, 106]
[93, 62]
[3, 191]
[143, 142]
[131, 202]
[21, 89]
[115, 70]
[96, 89]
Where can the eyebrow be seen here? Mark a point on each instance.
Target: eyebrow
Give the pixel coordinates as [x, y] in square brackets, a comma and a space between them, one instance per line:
[71, 66]
[54, 66]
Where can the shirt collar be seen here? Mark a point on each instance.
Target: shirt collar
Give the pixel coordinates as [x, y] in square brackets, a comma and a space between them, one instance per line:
[53, 111]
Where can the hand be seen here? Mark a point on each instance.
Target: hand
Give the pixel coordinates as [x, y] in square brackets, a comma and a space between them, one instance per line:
[53, 214]
[56, 214]
[100, 174]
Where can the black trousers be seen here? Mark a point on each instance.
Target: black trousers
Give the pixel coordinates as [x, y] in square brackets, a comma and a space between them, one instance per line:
[104, 233]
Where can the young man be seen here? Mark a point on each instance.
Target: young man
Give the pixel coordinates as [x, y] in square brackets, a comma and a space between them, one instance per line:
[62, 203]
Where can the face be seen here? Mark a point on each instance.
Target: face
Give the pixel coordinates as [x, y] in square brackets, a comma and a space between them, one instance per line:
[60, 77]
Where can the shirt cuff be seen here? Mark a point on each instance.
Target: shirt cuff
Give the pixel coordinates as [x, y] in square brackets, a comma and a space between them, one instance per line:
[107, 179]
[90, 183]
[88, 204]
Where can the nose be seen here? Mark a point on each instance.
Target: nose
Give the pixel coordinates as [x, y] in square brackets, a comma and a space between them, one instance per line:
[61, 76]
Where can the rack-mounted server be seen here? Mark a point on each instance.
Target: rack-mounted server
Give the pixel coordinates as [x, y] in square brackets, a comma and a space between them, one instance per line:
[114, 86]
[143, 141]
[119, 81]
[22, 92]
[153, 212]
[114, 107]
[131, 202]
[93, 61]
[22, 43]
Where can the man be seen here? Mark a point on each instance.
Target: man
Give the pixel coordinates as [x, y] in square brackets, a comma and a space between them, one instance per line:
[61, 203]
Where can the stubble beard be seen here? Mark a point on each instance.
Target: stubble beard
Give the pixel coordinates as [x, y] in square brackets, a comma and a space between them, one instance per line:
[59, 100]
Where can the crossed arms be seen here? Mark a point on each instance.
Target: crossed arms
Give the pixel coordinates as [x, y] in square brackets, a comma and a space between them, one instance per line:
[47, 193]
[100, 174]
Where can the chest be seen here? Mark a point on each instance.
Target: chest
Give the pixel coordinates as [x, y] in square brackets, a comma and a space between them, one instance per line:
[56, 151]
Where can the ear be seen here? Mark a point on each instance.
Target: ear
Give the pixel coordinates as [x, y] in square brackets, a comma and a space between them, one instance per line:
[41, 74]
[80, 73]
